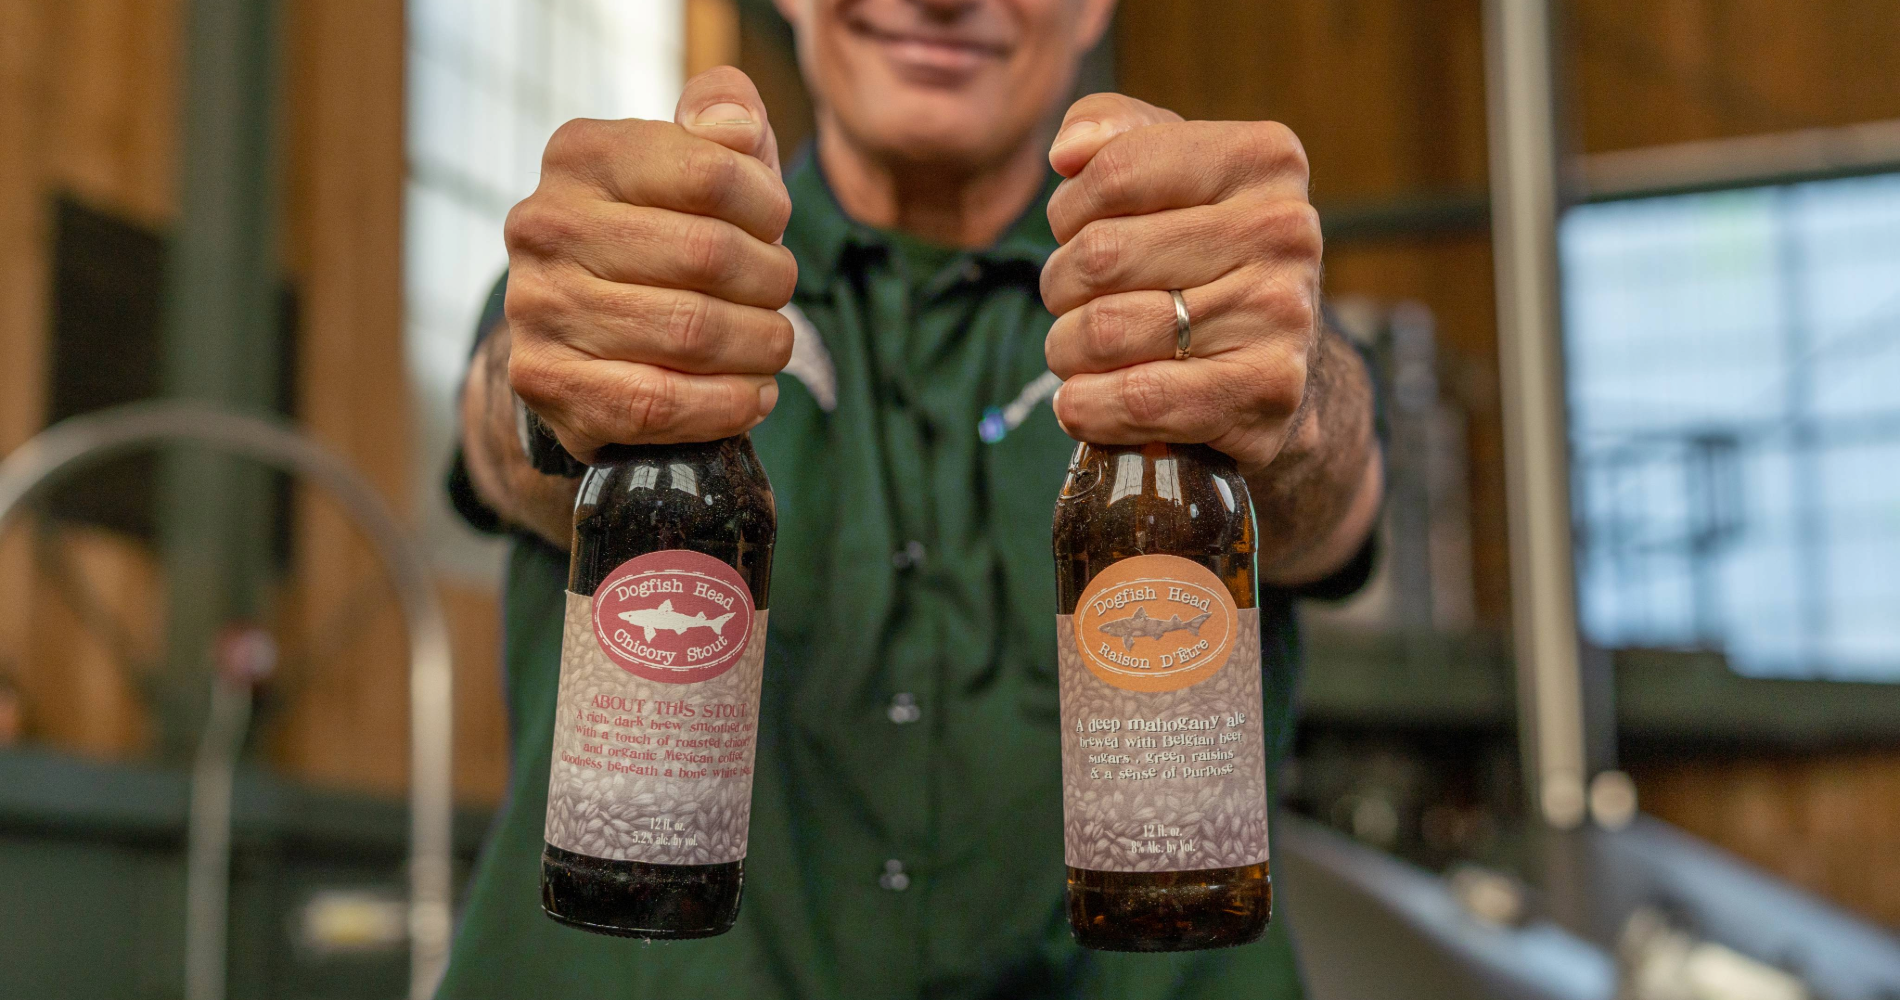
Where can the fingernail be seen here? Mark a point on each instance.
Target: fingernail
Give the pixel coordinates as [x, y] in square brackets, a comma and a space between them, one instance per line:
[1074, 131]
[1055, 408]
[724, 114]
[768, 397]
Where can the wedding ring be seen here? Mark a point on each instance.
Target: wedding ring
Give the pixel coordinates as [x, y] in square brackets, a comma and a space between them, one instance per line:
[1183, 330]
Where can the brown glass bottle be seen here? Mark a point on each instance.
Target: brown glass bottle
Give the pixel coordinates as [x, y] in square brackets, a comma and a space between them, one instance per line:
[1121, 502]
[712, 499]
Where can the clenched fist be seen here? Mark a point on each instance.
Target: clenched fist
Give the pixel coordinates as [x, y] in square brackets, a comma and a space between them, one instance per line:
[645, 274]
[1217, 209]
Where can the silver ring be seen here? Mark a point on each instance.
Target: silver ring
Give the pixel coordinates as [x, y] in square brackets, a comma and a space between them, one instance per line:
[1183, 330]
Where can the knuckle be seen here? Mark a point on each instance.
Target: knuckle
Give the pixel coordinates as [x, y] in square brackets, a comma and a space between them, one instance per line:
[1285, 306]
[535, 228]
[779, 210]
[778, 341]
[1281, 384]
[785, 271]
[689, 333]
[707, 172]
[1144, 396]
[1115, 177]
[531, 377]
[1281, 396]
[706, 251]
[530, 300]
[1294, 225]
[653, 401]
[578, 140]
[1106, 328]
[1098, 254]
[1277, 145]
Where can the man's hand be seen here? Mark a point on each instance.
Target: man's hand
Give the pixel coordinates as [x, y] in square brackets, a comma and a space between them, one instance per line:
[1218, 210]
[645, 272]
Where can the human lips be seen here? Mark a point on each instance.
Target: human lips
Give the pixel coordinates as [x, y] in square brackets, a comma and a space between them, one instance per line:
[933, 54]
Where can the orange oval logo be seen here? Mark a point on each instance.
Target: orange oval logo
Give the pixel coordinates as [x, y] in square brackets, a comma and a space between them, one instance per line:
[1155, 623]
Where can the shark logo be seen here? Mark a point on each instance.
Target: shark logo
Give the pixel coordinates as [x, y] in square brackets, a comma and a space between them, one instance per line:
[664, 617]
[1140, 626]
[1152, 623]
[674, 616]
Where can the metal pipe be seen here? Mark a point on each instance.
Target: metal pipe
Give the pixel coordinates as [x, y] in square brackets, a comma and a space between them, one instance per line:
[1520, 91]
[82, 441]
[208, 840]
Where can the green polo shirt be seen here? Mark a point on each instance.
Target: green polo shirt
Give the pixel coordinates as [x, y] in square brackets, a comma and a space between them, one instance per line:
[906, 832]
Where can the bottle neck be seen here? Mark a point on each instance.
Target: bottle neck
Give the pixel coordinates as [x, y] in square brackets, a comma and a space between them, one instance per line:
[1087, 452]
[685, 451]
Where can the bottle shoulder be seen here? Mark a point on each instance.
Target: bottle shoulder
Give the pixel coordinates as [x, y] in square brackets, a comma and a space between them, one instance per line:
[1104, 475]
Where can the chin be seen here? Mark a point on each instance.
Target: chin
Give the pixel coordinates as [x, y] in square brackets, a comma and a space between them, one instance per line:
[935, 130]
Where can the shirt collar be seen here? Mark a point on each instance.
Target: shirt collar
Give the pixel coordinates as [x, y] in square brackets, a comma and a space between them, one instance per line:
[820, 231]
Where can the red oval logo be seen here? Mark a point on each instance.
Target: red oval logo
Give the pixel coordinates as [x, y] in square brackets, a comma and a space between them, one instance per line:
[673, 616]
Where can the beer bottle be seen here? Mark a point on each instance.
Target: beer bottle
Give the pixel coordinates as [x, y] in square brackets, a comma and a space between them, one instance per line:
[656, 723]
[1164, 785]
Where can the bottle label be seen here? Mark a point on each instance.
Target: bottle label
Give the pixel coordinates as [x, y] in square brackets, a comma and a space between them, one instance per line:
[656, 721]
[1163, 759]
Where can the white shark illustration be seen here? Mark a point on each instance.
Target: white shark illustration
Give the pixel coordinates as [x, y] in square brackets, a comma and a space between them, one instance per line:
[664, 617]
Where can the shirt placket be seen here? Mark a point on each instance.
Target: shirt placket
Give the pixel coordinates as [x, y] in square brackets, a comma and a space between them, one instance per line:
[909, 713]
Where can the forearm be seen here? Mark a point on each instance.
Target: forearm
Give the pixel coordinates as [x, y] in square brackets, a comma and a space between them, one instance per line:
[1318, 499]
[504, 479]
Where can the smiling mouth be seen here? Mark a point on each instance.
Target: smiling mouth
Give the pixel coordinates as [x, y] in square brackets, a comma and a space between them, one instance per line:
[929, 54]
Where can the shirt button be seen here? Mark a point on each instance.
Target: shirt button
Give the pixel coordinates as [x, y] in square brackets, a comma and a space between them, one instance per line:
[912, 554]
[904, 709]
[894, 878]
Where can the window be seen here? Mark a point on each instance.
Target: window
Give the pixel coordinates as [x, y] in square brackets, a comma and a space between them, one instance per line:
[1734, 385]
[489, 81]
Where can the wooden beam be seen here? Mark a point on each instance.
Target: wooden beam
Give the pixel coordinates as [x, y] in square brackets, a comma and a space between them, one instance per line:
[712, 35]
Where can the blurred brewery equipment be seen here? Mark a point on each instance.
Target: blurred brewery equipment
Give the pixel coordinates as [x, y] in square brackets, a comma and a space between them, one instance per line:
[245, 656]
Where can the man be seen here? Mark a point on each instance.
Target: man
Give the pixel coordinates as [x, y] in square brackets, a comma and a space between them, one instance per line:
[905, 834]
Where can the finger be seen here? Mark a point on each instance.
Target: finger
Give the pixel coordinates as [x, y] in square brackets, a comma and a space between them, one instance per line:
[589, 403]
[1230, 316]
[721, 104]
[654, 246]
[687, 332]
[1092, 121]
[1178, 248]
[1179, 165]
[1198, 401]
[659, 165]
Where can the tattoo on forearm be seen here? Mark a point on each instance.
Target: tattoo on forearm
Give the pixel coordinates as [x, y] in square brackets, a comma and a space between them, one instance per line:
[500, 470]
[1304, 495]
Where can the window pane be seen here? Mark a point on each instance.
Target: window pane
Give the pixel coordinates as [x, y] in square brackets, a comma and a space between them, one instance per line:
[1735, 427]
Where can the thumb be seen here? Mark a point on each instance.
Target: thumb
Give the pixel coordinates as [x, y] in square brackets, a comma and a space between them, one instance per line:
[1093, 121]
[721, 104]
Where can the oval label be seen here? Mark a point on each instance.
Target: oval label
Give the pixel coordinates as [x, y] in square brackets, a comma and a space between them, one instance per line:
[1155, 623]
[673, 616]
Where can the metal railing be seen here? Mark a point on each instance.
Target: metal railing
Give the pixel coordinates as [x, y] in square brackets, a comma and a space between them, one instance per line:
[80, 442]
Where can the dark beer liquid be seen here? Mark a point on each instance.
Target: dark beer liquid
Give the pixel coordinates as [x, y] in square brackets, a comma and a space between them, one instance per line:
[628, 507]
[1180, 910]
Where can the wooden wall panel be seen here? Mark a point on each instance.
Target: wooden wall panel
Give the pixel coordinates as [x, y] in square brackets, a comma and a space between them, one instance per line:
[88, 106]
[1830, 824]
[350, 724]
[94, 638]
[1645, 72]
[111, 88]
[712, 35]
[23, 264]
[1387, 95]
